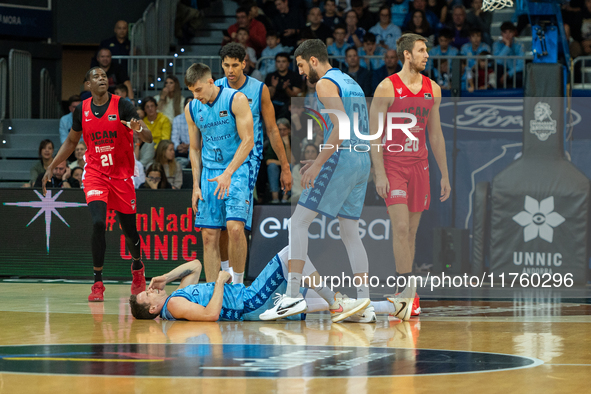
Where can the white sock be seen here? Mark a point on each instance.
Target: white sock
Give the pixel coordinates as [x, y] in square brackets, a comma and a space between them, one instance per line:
[363, 291]
[383, 307]
[326, 293]
[238, 278]
[225, 265]
[294, 280]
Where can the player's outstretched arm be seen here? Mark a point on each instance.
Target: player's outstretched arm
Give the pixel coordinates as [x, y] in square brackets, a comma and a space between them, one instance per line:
[437, 142]
[188, 273]
[268, 113]
[382, 100]
[194, 156]
[65, 151]
[182, 308]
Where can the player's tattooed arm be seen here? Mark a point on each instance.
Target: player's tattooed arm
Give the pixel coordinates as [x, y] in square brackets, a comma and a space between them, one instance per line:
[188, 273]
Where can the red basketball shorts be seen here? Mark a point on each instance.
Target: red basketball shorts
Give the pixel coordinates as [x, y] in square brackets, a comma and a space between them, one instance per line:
[409, 185]
[119, 194]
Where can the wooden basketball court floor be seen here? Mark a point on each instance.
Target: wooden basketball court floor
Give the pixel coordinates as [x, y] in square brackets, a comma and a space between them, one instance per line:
[53, 341]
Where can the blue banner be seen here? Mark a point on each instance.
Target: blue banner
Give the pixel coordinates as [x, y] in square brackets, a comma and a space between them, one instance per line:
[25, 22]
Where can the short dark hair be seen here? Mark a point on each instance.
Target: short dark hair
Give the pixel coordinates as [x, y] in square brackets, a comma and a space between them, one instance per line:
[369, 37]
[406, 43]
[43, 144]
[140, 311]
[332, 1]
[89, 73]
[356, 3]
[310, 48]
[340, 26]
[243, 29]
[196, 72]
[233, 50]
[283, 54]
[507, 25]
[351, 48]
[387, 8]
[146, 100]
[73, 99]
[272, 33]
[123, 87]
[475, 30]
[447, 33]
[243, 10]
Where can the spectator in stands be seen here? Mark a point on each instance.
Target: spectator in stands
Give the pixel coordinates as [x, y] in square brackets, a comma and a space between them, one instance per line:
[420, 25]
[385, 31]
[360, 74]
[354, 34]
[180, 137]
[330, 17]
[441, 74]
[75, 179]
[273, 163]
[443, 49]
[115, 72]
[399, 10]
[251, 70]
[139, 175]
[467, 81]
[288, 22]
[119, 44]
[170, 100]
[257, 31]
[273, 48]
[459, 26]
[66, 120]
[156, 178]
[157, 122]
[283, 84]
[429, 16]
[310, 153]
[509, 71]
[317, 28]
[172, 169]
[121, 91]
[474, 47]
[392, 65]
[79, 153]
[370, 48]
[480, 20]
[339, 46]
[485, 75]
[439, 8]
[61, 173]
[585, 28]
[144, 151]
[256, 13]
[242, 38]
[365, 19]
[45, 158]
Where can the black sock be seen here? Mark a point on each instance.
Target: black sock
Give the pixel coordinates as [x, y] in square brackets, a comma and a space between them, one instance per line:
[137, 264]
[98, 276]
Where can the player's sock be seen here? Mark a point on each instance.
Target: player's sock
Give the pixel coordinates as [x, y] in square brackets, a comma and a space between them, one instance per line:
[238, 278]
[326, 293]
[294, 280]
[363, 291]
[383, 307]
[226, 265]
[98, 276]
[137, 264]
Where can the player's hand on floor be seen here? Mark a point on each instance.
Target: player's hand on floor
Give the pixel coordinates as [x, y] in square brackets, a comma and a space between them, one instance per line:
[158, 283]
[223, 189]
[195, 199]
[382, 186]
[445, 189]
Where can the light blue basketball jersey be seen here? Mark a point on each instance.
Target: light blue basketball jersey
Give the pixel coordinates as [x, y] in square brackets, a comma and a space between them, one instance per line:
[232, 304]
[217, 125]
[253, 90]
[353, 100]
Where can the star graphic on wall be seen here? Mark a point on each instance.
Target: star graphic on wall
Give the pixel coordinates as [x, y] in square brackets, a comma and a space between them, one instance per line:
[47, 205]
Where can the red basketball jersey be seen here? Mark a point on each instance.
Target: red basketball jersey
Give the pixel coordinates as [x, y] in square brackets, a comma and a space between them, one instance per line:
[109, 143]
[400, 149]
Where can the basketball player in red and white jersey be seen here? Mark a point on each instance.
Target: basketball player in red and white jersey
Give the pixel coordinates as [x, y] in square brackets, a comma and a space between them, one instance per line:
[401, 164]
[108, 125]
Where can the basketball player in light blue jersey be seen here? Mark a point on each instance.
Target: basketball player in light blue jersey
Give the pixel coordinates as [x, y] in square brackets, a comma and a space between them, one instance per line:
[334, 183]
[232, 56]
[220, 300]
[221, 140]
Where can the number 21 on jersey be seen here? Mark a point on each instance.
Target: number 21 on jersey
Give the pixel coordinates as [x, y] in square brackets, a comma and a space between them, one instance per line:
[106, 160]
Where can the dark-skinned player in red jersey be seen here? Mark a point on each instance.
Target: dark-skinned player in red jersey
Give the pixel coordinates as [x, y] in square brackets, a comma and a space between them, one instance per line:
[402, 166]
[108, 125]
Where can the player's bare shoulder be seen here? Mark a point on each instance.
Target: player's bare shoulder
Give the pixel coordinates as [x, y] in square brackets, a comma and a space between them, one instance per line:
[436, 88]
[327, 88]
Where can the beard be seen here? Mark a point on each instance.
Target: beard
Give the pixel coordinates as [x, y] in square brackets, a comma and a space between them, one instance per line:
[313, 76]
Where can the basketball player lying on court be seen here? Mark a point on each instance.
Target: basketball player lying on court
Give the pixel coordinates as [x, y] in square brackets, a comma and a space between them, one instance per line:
[220, 300]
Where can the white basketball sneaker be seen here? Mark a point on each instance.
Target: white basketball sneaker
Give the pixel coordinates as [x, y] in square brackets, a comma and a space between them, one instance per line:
[285, 306]
[343, 307]
[403, 303]
[368, 315]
